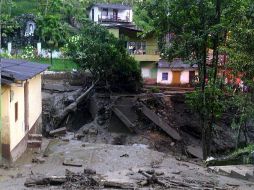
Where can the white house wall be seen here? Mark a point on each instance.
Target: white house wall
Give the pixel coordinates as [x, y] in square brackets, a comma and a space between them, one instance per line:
[98, 12]
[159, 76]
[146, 72]
[184, 78]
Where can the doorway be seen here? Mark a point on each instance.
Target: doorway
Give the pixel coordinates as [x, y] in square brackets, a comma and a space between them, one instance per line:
[176, 78]
[191, 77]
[115, 14]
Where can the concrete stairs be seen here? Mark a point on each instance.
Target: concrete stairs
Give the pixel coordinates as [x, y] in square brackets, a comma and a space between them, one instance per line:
[245, 172]
[34, 141]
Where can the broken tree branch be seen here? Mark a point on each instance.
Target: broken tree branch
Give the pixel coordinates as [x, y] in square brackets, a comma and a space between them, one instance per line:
[73, 106]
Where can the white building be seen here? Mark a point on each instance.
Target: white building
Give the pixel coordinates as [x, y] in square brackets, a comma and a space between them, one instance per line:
[110, 13]
[176, 73]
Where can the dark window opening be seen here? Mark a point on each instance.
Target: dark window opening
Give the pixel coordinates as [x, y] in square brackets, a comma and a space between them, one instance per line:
[16, 111]
[164, 76]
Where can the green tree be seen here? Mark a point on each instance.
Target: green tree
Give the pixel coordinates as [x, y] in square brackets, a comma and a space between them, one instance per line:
[98, 51]
[199, 25]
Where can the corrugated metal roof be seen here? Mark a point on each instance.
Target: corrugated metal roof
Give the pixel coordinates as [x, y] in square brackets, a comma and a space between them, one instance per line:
[175, 64]
[20, 70]
[112, 6]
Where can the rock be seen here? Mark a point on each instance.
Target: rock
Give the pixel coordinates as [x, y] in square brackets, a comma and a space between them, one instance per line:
[85, 131]
[93, 131]
[38, 160]
[72, 162]
[176, 172]
[89, 171]
[65, 139]
[195, 151]
[79, 136]
[172, 144]
[124, 155]
[58, 132]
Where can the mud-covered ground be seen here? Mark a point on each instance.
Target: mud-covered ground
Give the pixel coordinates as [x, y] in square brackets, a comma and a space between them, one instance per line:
[98, 140]
[114, 163]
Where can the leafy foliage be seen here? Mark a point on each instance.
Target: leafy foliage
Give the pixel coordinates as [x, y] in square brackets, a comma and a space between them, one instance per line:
[105, 56]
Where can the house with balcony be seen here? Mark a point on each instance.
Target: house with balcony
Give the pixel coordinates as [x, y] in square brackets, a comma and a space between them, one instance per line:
[105, 13]
[118, 19]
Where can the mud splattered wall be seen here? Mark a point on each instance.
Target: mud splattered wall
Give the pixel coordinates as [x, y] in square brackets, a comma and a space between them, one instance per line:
[5, 96]
[35, 100]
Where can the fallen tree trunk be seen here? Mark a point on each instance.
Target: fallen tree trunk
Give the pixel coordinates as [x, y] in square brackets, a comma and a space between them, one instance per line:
[58, 119]
[45, 181]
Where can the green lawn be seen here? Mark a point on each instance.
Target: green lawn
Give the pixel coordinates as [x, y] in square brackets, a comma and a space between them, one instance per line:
[24, 7]
[58, 64]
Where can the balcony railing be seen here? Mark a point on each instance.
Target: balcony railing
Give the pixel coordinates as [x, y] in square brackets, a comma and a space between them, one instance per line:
[144, 50]
[146, 53]
[113, 18]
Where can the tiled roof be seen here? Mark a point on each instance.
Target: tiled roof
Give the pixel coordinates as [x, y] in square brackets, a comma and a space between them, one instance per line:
[175, 64]
[19, 70]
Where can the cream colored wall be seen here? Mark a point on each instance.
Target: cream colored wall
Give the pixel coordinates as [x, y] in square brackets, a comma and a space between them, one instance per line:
[5, 110]
[185, 77]
[159, 76]
[35, 100]
[17, 128]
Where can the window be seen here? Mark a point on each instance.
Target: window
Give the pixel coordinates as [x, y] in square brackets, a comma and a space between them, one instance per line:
[164, 76]
[16, 111]
[104, 12]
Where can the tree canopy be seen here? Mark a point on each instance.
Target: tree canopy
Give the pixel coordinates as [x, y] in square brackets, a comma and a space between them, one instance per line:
[188, 29]
[95, 49]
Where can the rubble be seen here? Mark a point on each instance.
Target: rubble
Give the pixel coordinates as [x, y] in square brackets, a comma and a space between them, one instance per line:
[58, 132]
[160, 122]
[72, 162]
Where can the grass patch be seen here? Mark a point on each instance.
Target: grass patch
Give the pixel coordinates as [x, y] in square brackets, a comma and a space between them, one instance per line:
[246, 150]
[58, 64]
[24, 7]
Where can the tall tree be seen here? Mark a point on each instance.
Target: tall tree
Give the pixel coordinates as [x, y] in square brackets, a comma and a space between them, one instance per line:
[198, 25]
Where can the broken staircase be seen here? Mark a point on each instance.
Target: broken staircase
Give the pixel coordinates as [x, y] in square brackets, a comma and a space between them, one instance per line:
[34, 141]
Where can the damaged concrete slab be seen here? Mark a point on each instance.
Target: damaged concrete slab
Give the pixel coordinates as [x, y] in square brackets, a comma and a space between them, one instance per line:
[160, 122]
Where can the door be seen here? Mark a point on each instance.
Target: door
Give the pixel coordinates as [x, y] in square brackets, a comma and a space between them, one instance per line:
[26, 107]
[176, 78]
[92, 14]
[115, 14]
[191, 77]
